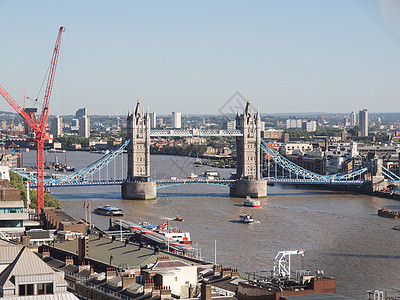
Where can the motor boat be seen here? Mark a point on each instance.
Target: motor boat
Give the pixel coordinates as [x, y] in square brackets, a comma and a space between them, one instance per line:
[251, 202]
[108, 210]
[179, 219]
[246, 219]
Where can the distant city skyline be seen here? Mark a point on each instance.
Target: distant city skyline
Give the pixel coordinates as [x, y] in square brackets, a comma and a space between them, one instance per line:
[288, 56]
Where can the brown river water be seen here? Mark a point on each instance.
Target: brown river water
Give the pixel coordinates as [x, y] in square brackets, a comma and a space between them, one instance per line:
[340, 232]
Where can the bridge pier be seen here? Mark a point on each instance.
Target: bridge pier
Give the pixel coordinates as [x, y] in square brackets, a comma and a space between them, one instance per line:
[138, 190]
[252, 188]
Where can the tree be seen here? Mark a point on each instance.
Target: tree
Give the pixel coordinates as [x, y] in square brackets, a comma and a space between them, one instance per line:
[16, 181]
[49, 201]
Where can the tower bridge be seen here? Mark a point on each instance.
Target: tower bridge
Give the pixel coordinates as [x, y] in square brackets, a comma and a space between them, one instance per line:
[248, 180]
[250, 148]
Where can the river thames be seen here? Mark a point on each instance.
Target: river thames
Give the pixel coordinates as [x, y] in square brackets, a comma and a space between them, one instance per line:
[340, 232]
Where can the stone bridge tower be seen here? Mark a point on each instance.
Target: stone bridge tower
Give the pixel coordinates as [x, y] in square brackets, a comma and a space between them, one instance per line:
[378, 181]
[138, 127]
[248, 171]
[138, 185]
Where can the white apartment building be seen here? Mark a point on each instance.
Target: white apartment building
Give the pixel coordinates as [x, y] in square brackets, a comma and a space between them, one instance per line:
[84, 127]
[176, 120]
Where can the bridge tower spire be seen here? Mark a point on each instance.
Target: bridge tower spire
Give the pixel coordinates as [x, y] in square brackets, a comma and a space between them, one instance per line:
[248, 171]
[138, 184]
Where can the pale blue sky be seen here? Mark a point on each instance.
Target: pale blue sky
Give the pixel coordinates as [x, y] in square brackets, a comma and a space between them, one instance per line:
[192, 56]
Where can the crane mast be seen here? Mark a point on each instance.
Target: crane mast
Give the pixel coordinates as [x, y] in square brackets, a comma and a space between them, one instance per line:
[39, 127]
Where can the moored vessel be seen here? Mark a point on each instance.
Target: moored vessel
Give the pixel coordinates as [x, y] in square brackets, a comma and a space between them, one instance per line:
[108, 210]
[174, 233]
[251, 202]
[388, 213]
[211, 173]
[193, 176]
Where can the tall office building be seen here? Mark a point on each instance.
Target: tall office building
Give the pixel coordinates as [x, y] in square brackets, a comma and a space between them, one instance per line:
[363, 119]
[27, 129]
[81, 113]
[176, 120]
[84, 127]
[56, 126]
[353, 119]
[153, 120]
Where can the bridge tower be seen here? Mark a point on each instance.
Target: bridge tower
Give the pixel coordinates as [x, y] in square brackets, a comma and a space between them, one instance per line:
[377, 179]
[248, 171]
[138, 185]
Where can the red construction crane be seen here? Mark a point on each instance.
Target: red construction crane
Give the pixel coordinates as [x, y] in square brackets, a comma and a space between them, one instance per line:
[39, 127]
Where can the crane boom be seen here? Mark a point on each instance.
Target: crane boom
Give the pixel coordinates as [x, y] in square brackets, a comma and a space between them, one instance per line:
[49, 87]
[18, 109]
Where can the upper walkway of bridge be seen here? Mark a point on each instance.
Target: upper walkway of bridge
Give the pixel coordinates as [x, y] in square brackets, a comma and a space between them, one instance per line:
[194, 132]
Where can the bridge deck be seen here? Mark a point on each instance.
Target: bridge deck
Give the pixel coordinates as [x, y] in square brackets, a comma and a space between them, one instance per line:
[222, 182]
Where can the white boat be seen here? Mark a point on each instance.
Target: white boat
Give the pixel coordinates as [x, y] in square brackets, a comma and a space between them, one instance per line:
[211, 173]
[251, 202]
[56, 150]
[108, 210]
[246, 219]
[174, 233]
[193, 176]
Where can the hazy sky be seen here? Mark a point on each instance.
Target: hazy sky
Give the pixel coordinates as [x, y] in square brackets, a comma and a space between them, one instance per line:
[192, 56]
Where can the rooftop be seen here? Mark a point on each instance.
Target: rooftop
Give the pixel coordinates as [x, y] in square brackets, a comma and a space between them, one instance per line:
[131, 255]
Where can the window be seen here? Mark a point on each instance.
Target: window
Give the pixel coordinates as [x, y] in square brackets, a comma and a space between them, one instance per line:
[40, 288]
[22, 290]
[11, 223]
[49, 288]
[26, 290]
[45, 288]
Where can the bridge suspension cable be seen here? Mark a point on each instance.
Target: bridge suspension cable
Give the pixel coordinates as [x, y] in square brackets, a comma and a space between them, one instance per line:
[300, 171]
[83, 173]
[390, 174]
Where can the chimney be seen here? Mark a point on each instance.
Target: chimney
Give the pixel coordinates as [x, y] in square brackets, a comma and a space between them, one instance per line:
[205, 291]
[217, 268]
[165, 292]
[148, 286]
[26, 240]
[69, 260]
[162, 258]
[128, 279]
[46, 253]
[83, 248]
[84, 266]
[235, 273]
[155, 291]
[111, 260]
[226, 272]
[192, 290]
[111, 272]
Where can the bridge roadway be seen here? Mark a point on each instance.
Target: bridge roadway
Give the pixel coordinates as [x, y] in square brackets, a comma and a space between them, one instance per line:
[221, 182]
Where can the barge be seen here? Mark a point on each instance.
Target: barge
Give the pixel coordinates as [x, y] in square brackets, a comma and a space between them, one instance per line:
[388, 213]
